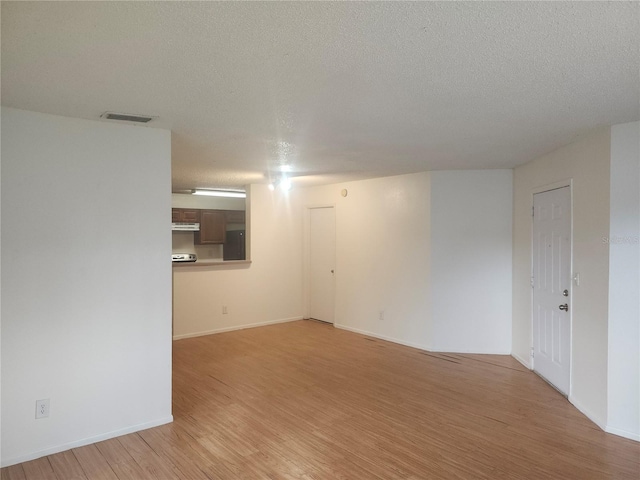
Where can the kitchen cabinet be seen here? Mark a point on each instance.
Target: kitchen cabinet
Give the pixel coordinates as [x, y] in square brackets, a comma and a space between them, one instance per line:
[213, 225]
[185, 215]
[235, 216]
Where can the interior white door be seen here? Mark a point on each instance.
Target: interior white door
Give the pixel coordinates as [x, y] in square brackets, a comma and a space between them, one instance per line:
[552, 286]
[322, 254]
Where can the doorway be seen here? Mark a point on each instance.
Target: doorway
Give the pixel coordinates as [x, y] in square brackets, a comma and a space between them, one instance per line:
[321, 271]
[551, 281]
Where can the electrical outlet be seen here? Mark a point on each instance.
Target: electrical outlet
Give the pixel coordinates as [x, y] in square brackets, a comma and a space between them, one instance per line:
[42, 408]
[224, 310]
[381, 315]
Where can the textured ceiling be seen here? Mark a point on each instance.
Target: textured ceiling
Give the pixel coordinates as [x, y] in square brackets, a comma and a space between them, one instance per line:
[328, 90]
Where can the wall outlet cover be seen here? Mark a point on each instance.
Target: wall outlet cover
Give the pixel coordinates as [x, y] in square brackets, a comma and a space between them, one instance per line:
[42, 408]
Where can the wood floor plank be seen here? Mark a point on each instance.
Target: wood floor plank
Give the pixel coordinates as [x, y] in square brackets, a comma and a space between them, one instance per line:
[171, 442]
[66, 466]
[121, 462]
[148, 460]
[93, 463]
[39, 469]
[304, 400]
[14, 472]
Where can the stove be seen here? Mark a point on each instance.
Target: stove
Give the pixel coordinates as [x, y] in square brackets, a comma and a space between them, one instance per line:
[183, 257]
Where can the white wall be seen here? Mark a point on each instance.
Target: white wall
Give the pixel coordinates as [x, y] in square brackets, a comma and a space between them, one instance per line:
[471, 242]
[586, 162]
[384, 235]
[86, 302]
[624, 283]
[266, 291]
[382, 255]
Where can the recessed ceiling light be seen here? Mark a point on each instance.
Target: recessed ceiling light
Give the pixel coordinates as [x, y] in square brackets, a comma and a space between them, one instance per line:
[128, 117]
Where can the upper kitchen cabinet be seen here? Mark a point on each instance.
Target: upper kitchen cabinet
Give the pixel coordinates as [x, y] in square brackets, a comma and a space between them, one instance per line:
[213, 226]
[185, 215]
[235, 216]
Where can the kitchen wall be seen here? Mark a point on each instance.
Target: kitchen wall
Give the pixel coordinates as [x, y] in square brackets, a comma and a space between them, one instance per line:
[85, 305]
[624, 283]
[471, 240]
[269, 290]
[586, 164]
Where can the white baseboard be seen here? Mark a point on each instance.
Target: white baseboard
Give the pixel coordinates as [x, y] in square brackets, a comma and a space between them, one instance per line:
[239, 327]
[587, 413]
[382, 337]
[603, 426]
[85, 441]
[414, 345]
[522, 361]
[471, 352]
[623, 433]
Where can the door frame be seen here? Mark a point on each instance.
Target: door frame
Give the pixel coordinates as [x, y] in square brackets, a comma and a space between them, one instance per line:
[306, 257]
[542, 189]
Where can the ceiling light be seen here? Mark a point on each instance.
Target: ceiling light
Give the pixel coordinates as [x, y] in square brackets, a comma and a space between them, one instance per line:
[285, 184]
[272, 187]
[220, 193]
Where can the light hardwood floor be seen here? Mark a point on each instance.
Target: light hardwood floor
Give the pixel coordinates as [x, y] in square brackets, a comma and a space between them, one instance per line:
[306, 401]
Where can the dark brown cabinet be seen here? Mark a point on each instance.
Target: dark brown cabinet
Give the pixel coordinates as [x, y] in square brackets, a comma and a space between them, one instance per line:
[235, 216]
[213, 229]
[213, 225]
[185, 215]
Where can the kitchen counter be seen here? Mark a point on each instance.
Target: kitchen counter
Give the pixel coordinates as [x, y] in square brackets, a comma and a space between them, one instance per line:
[210, 263]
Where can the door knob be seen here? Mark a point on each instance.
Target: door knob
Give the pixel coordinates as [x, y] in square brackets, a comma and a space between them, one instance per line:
[564, 307]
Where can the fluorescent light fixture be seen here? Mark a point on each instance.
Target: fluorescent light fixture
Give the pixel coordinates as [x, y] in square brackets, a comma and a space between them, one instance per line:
[220, 193]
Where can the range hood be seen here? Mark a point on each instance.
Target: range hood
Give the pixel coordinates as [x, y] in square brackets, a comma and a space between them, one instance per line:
[185, 227]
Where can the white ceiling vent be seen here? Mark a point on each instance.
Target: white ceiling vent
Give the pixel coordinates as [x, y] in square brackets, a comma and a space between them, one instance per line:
[128, 117]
